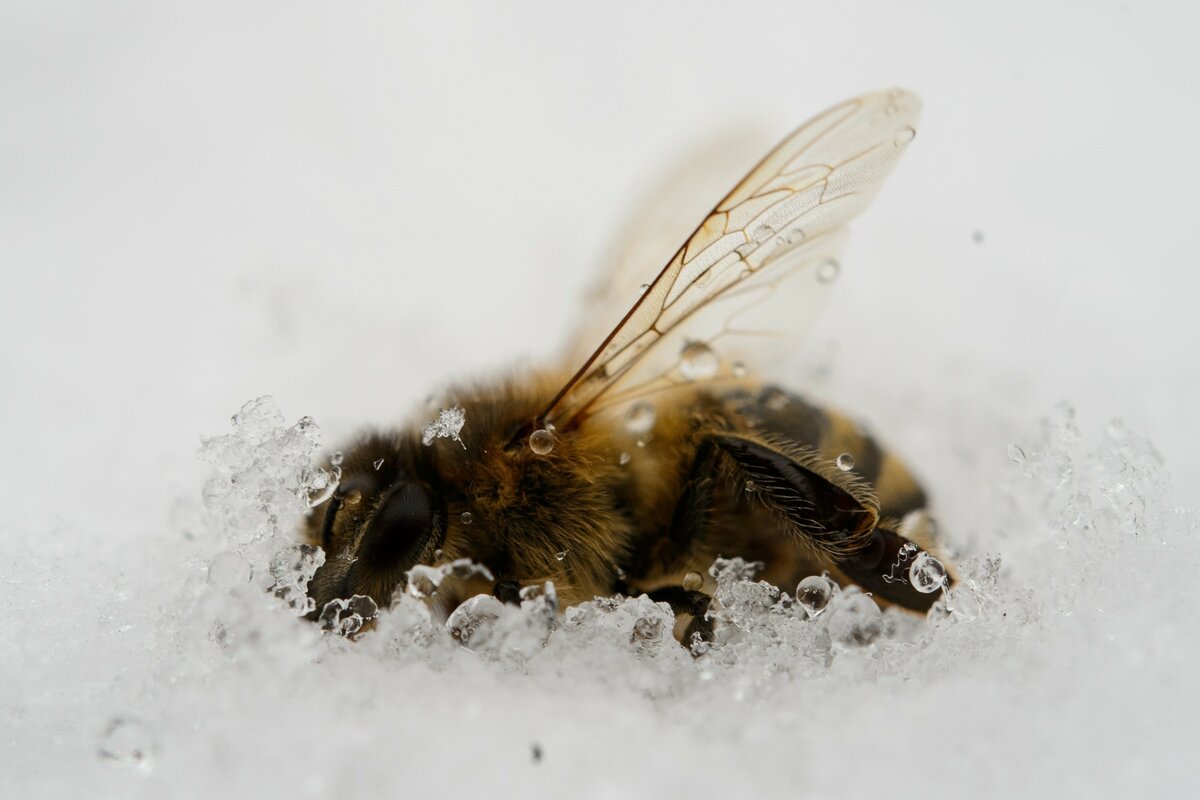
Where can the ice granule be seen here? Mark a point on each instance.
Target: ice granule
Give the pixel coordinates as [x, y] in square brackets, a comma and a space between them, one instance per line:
[448, 425]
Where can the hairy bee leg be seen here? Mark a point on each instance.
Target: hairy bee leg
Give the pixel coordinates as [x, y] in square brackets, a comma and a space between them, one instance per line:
[654, 553]
[684, 601]
[831, 518]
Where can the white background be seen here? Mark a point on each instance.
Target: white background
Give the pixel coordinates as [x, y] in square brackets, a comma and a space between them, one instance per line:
[343, 204]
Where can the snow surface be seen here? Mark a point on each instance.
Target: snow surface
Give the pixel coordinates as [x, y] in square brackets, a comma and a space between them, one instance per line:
[344, 206]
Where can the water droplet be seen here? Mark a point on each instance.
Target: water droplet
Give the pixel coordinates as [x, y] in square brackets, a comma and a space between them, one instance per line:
[336, 459]
[845, 462]
[378, 463]
[828, 270]
[751, 487]
[693, 581]
[466, 518]
[698, 361]
[774, 398]
[623, 459]
[645, 287]
[472, 622]
[927, 574]
[813, 593]
[905, 135]
[559, 556]
[641, 442]
[738, 369]
[646, 629]
[541, 441]
[1017, 454]
[640, 418]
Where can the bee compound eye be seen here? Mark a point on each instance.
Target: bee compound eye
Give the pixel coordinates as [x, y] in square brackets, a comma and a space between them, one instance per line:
[400, 529]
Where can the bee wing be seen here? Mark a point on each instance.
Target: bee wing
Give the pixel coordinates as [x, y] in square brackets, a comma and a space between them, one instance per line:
[779, 228]
[663, 217]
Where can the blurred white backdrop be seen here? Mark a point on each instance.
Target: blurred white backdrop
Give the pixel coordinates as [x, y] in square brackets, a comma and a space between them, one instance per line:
[343, 205]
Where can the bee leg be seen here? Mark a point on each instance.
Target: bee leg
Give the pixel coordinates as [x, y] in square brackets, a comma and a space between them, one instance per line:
[829, 518]
[687, 603]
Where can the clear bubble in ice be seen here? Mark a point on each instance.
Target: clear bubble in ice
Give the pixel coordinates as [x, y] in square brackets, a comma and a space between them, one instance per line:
[845, 462]
[813, 593]
[466, 518]
[541, 441]
[640, 418]
[646, 629]
[927, 574]
[828, 270]
[693, 581]
[698, 361]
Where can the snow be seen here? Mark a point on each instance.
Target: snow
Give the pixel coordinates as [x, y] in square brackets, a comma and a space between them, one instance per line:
[202, 207]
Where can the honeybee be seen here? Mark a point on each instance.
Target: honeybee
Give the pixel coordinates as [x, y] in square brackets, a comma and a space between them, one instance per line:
[660, 452]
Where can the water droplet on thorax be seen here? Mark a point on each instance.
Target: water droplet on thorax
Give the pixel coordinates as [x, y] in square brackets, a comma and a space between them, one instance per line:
[623, 459]
[541, 441]
[378, 463]
[751, 487]
[927, 574]
[698, 361]
[559, 556]
[640, 418]
[845, 462]
[774, 398]
[828, 270]
[813, 593]
[466, 518]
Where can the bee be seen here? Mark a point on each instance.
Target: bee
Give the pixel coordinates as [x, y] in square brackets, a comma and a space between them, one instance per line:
[662, 451]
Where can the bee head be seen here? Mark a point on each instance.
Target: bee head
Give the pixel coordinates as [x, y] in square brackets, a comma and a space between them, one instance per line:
[377, 525]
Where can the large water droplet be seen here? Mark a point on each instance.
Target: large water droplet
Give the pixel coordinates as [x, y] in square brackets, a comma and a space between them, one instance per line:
[698, 361]
[828, 270]
[813, 593]
[541, 441]
[927, 574]
[845, 462]
[640, 418]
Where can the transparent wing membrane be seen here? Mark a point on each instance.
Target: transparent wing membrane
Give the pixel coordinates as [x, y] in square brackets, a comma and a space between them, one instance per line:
[748, 277]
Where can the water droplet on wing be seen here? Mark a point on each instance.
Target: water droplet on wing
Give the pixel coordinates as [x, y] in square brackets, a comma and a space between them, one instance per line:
[698, 361]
